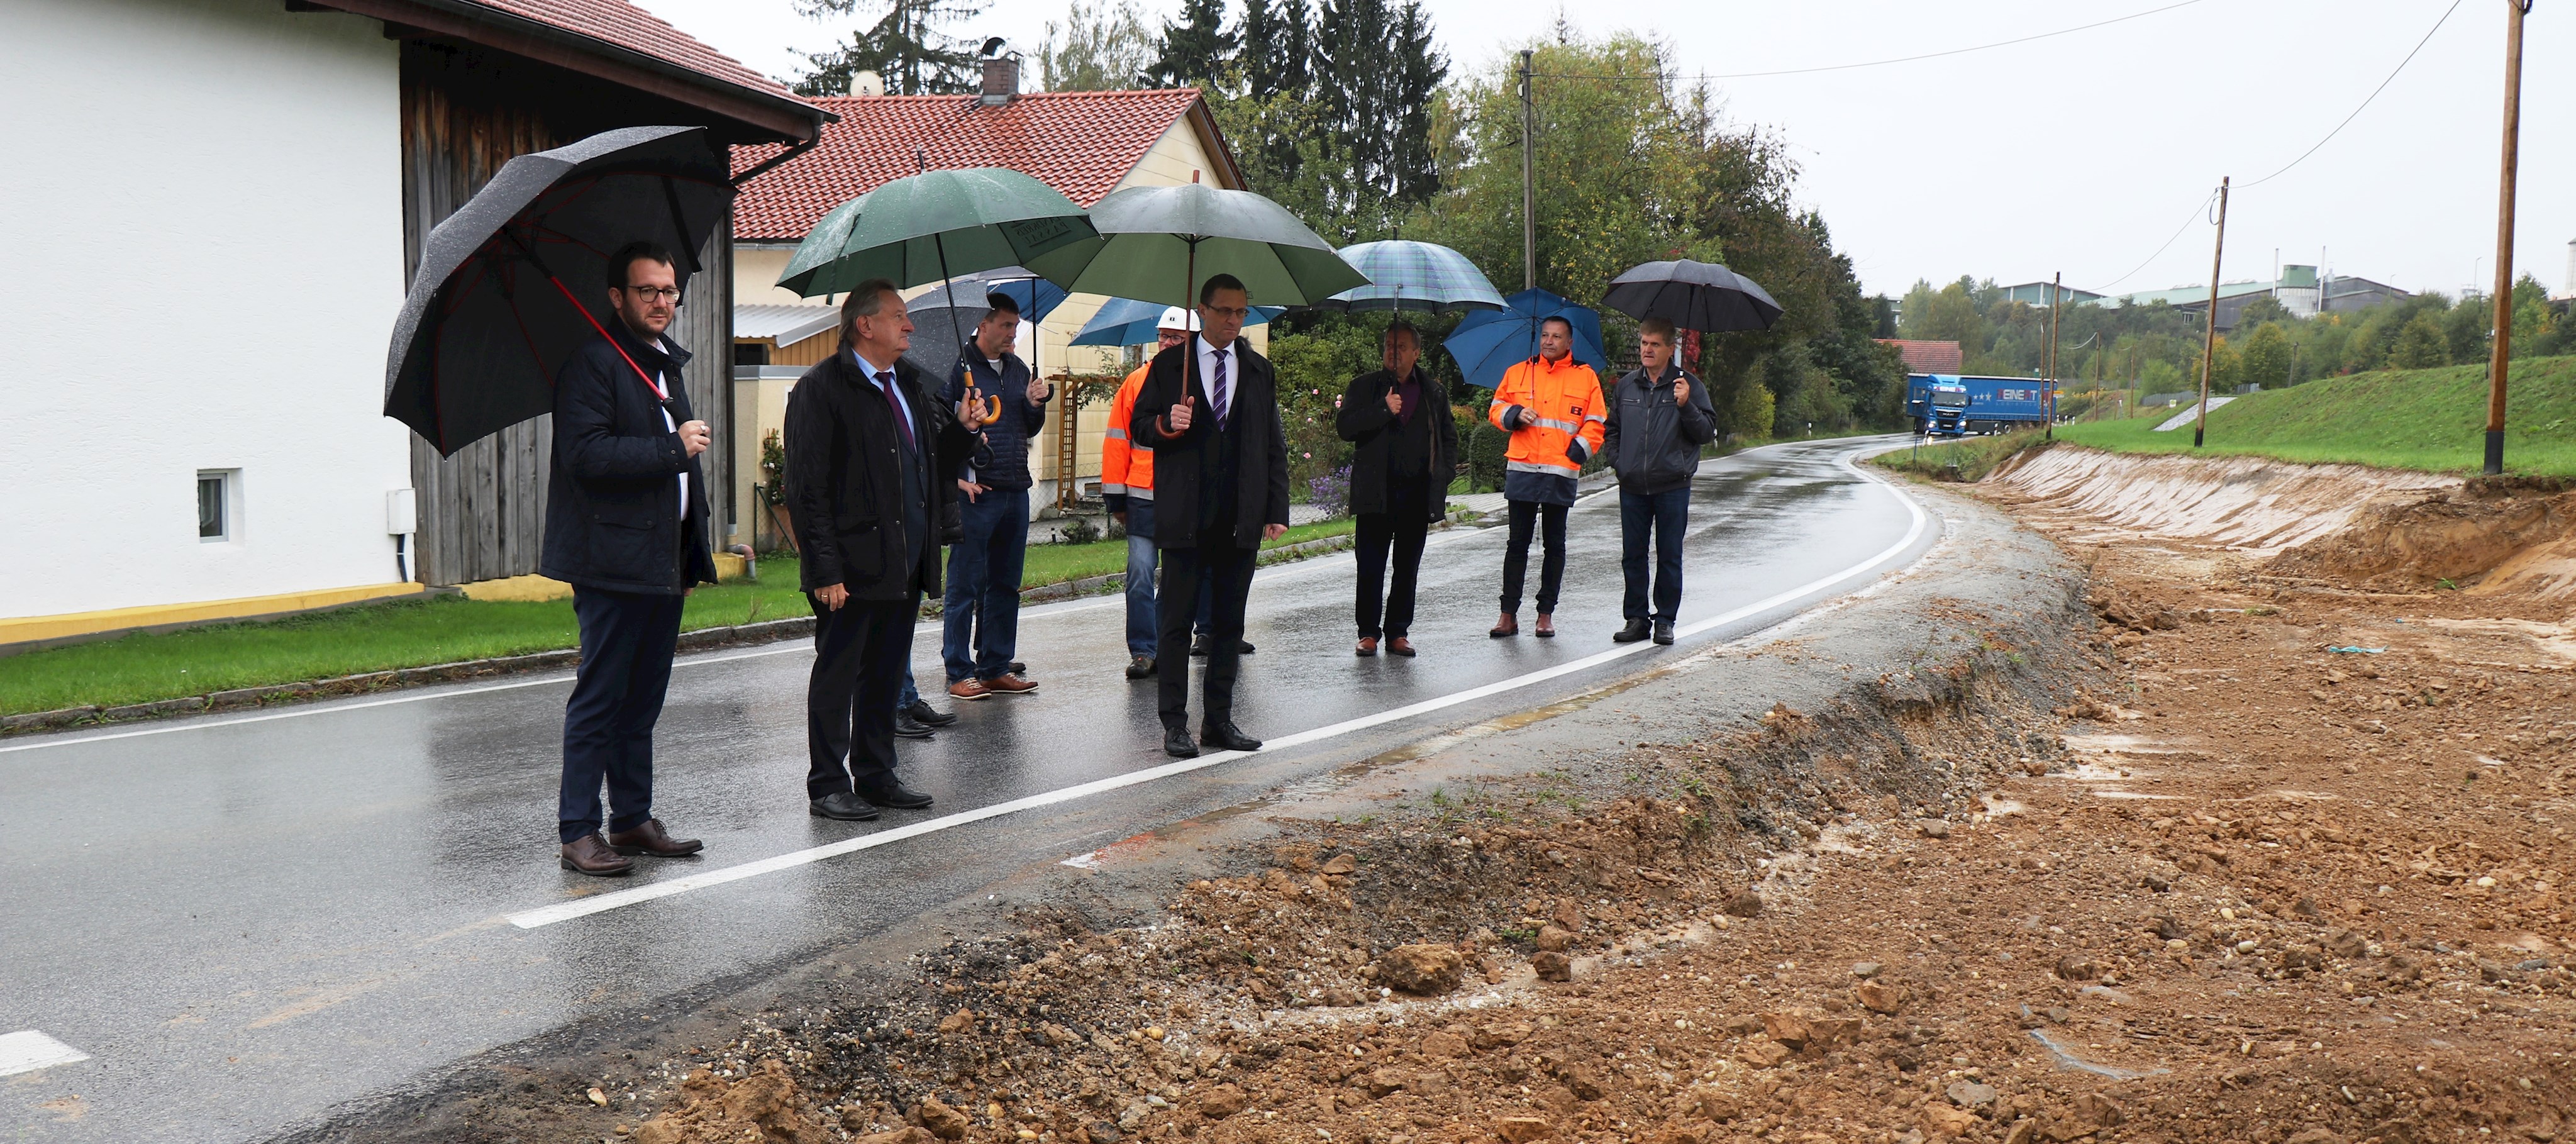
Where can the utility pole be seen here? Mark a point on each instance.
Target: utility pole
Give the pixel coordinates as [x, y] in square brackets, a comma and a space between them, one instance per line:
[2056, 299]
[2209, 335]
[2500, 304]
[1529, 219]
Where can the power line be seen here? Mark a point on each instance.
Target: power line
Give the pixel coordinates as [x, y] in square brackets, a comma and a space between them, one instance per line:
[2196, 210]
[2365, 100]
[1899, 59]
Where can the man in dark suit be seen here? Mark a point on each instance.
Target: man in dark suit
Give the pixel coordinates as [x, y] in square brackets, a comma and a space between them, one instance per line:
[872, 463]
[1211, 409]
[626, 526]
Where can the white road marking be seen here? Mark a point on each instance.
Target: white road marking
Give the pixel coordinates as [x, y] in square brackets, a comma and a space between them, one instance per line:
[29, 1050]
[601, 903]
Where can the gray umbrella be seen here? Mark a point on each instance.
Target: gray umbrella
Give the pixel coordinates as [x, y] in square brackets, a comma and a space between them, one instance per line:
[515, 280]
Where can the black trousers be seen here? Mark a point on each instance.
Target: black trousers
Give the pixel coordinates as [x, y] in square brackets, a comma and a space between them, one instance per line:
[1526, 517]
[860, 653]
[627, 639]
[1228, 584]
[1401, 531]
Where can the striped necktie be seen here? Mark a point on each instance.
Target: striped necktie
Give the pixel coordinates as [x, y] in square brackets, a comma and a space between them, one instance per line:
[1222, 395]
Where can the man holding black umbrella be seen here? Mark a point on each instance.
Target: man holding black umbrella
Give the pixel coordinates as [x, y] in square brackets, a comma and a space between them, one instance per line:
[1660, 415]
[626, 526]
[1211, 409]
[870, 461]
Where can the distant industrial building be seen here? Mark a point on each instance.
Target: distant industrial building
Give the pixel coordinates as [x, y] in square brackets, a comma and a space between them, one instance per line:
[2036, 294]
[2299, 290]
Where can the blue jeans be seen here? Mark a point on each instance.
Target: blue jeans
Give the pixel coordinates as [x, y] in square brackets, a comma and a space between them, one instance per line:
[1140, 577]
[984, 586]
[911, 694]
[1667, 514]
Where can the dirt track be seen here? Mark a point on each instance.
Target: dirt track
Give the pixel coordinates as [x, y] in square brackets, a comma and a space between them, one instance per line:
[2259, 890]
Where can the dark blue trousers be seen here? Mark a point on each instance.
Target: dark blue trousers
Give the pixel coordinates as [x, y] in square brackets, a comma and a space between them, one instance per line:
[1664, 517]
[981, 629]
[627, 639]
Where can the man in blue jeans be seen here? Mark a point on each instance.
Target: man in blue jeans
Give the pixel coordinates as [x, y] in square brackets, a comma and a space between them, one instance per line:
[1660, 415]
[983, 606]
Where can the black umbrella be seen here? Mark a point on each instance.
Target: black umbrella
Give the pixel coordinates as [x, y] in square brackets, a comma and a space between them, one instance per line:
[515, 280]
[1701, 296]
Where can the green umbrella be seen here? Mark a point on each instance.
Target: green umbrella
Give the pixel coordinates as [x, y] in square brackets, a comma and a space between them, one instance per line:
[1202, 231]
[938, 224]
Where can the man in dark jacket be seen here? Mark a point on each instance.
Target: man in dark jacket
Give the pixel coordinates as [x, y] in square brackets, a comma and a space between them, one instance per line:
[870, 461]
[626, 526]
[1400, 471]
[983, 607]
[1211, 409]
[1660, 415]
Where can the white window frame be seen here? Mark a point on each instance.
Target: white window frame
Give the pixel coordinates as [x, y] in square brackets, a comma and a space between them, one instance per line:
[229, 486]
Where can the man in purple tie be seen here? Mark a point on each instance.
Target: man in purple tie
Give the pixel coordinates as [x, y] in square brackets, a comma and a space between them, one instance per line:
[1210, 407]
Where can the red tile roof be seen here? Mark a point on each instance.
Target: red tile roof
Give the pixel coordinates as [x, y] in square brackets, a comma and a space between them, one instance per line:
[1082, 143]
[627, 26]
[1928, 357]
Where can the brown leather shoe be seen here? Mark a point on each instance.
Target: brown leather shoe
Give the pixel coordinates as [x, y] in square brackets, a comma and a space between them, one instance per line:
[590, 854]
[1398, 645]
[1367, 648]
[651, 839]
[969, 688]
[1510, 626]
[1010, 684]
[1546, 626]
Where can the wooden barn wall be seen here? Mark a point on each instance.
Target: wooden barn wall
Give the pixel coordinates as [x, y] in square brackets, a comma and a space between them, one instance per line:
[482, 510]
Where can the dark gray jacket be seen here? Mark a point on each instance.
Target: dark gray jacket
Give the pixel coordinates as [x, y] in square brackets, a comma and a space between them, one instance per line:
[613, 518]
[1653, 442]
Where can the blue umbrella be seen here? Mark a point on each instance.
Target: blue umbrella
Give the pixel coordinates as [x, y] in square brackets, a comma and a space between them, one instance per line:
[1037, 296]
[1487, 342]
[1407, 275]
[1128, 322]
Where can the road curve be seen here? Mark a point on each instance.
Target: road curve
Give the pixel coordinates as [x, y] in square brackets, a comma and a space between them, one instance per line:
[246, 921]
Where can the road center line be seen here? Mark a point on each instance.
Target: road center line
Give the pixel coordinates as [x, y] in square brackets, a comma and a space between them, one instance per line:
[601, 903]
[29, 1050]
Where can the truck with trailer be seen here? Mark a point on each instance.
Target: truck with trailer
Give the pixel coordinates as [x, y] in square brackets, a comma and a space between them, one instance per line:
[1951, 405]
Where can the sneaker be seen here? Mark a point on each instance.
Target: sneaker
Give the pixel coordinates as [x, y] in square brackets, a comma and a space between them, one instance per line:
[968, 689]
[1009, 684]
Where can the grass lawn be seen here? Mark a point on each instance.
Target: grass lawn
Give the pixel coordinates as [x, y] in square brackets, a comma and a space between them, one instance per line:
[2429, 419]
[1974, 456]
[143, 667]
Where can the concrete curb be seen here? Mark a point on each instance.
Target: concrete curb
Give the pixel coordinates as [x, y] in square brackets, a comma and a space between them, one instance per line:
[766, 631]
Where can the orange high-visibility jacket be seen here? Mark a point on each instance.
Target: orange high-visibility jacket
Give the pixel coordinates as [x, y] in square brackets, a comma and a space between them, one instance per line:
[1554, 412]
[1126, 469]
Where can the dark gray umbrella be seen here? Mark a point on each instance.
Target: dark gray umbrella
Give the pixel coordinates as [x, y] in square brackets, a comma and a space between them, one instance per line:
[1701, 296]
[515, 280]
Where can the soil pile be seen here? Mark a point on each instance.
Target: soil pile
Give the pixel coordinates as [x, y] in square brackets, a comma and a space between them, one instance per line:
[2244, 504]
[2492, 536]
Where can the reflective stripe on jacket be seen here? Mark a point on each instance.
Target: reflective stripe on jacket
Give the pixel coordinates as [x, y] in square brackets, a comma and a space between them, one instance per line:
[1126, 467]
[1554, 412]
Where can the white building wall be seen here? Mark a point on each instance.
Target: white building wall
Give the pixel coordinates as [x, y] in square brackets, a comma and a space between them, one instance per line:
[203, 245]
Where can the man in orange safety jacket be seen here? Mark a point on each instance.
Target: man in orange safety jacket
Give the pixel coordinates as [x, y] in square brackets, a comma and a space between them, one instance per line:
[1127, 488]
[1551, 405]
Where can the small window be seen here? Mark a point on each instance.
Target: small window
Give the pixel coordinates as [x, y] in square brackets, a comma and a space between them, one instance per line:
[214, 505]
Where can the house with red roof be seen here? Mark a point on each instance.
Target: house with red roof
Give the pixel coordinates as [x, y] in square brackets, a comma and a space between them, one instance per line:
[1083, 143]
[230, 195]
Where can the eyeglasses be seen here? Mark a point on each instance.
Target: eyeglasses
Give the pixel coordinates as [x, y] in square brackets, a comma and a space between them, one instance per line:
[669, 294]
[1236, 313]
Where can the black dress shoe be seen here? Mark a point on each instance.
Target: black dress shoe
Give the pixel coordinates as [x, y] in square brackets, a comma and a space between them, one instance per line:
[907, 727]
[1224, 735]
[842, 805]
[1243, 647]
[1200, 645]
[1635, 630]
[928, 716]
[894, 795]
[651, 839]
[1141, 667]
[1018, 668]
[1663, 631]
[1177, 744]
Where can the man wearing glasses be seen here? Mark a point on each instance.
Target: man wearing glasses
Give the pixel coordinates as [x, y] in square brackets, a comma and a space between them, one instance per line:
[1210, 408]
[626, 526]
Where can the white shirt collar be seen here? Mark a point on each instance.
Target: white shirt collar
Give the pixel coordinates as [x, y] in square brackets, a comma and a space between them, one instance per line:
[869, 366]
[1206, 349]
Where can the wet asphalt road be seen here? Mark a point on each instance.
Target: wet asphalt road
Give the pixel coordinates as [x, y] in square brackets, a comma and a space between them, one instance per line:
[248, 921]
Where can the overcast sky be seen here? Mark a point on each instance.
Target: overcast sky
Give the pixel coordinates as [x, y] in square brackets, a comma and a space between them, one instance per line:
[2081, 153]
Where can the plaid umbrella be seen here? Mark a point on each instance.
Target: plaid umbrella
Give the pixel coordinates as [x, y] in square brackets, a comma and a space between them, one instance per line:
[1414, 276]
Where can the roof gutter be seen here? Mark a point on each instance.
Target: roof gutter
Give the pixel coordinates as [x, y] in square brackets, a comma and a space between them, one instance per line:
[782, 118]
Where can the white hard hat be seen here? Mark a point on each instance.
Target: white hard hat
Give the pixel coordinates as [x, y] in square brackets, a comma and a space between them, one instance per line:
[1176, 318]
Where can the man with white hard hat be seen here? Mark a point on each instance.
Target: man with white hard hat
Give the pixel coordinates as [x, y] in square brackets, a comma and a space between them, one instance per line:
[1127, 488]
